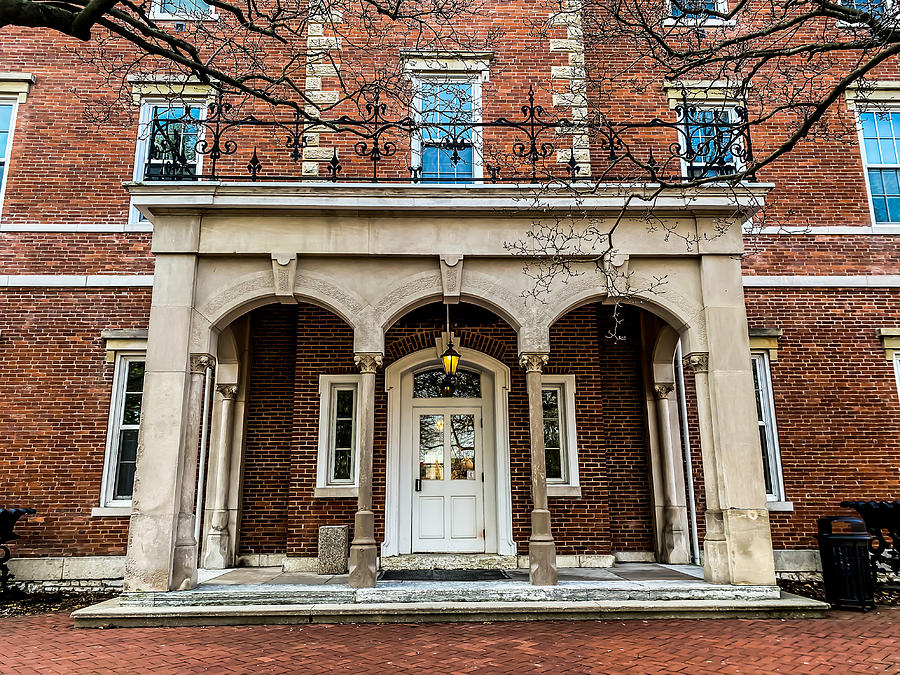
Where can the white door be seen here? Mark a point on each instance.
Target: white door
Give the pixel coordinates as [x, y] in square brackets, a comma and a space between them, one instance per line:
[448, 479]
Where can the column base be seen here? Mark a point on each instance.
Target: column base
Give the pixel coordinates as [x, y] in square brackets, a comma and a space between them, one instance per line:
[215, 556]
[741, 552]
[184, 567]
[542, 563]
[363, 551]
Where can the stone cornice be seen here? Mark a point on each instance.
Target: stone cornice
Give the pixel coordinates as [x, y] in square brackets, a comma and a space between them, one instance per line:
[711, 200]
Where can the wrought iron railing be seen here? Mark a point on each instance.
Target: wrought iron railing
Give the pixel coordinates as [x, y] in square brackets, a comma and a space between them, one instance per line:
[700, 143]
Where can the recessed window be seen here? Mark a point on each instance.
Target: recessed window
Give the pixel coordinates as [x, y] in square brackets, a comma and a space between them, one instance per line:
[768, 432]
[881, 152]
[434, 383]
[338, 456]
[695, 10]
[182, 9]
[124, 424]
[7, 119]
[708, 144]
[560, 434]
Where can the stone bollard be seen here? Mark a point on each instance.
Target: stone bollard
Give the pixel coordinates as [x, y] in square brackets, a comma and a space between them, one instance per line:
[334, 549]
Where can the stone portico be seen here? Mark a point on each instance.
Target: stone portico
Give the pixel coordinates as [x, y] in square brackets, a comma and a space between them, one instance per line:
[371, 255]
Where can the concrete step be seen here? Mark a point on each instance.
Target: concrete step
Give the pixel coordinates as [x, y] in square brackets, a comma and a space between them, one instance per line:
[449, 591]
[114, 613]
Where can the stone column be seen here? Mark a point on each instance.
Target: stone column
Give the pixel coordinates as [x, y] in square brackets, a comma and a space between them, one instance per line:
[541, 549]
[218, 541]
[738, 544]
[169, 432]
[363, 551]
[674, 513]
[184, 564]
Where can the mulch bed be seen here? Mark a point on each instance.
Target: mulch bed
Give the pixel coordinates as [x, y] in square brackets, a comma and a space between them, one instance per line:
[884, 595]
[25, 604]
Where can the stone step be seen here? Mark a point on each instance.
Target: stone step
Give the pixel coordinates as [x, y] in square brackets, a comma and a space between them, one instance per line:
[449, 591]
[112, 613]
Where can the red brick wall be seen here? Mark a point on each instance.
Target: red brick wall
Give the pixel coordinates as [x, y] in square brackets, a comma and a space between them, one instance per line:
[55, 388]
[279, 510]
[836, 401]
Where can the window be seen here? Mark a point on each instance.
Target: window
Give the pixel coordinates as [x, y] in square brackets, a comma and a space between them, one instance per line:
[695, 10]
[447, 144]
[873, 7]
[124, 422]
[880, 133]
[7, 119]
[560, 436]
[897, 370]
[434, 383]
[768, 433]
[708, 144]
[181, 9]
[338, 460]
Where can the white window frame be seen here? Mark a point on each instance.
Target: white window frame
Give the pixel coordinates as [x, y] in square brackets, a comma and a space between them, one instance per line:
[897, 370]
[730, 107]
[569, 485]
[14, 101]
[158, 15]
[864, 157]
[721, 7]
[328, 385]
[109, 505]
[142, 144]
[776, 499]
[473, 78]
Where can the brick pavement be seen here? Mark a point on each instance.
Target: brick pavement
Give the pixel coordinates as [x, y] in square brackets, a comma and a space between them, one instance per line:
[842, 643]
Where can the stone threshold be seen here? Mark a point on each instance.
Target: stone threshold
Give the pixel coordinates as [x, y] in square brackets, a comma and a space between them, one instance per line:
[113, 614]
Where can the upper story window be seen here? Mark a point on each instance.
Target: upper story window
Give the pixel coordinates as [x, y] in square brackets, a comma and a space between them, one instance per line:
[873, 7]
[447, 145]
[124, 423]
[182, 9]
[7, 119]
[768, 432]
[708, 142]
[167, 141]
[560, 435]
[881, 154]
[696, 10]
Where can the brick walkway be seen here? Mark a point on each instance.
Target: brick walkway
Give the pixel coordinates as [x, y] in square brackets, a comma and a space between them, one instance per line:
[842, 643]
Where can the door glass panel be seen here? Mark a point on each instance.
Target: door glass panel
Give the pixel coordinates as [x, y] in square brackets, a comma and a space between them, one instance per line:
[552, 440]
[462, 447]
[431, 447]
[434, 384]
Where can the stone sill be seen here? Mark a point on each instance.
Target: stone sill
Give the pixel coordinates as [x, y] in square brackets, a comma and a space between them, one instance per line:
[111, 512]
[780, 507]
[563, 490]
[332, 492]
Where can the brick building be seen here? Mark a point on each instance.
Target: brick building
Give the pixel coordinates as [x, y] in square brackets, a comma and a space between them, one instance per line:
[291, 332]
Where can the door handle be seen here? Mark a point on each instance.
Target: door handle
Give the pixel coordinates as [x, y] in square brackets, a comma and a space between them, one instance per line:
[418, 484]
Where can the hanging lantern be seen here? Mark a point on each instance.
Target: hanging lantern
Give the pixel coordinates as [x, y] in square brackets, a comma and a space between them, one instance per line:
[450, 357]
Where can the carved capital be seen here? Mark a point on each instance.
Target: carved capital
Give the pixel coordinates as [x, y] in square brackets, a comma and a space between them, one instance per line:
[533, 363]
[696, 361]
[368, 362]
[200, 362]
[228, 391]
[663, 390]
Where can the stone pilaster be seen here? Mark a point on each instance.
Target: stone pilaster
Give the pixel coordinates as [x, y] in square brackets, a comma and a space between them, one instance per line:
[363, 550]
[217, 552]
[541, 548]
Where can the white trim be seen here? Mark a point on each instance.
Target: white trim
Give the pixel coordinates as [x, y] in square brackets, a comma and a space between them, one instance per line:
[569, 486]
[111, 455]
[398, 485]
[328, 384]
[111, 511]
[143, 226]
[760, 363]
[865, 162]
[14, 102]
[897, 370]
[803, 281]
[76, 280]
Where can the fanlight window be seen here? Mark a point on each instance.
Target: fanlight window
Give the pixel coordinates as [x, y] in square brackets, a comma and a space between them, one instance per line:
[432, 383]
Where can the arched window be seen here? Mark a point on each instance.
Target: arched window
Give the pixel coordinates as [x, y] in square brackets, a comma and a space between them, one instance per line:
[434, 383]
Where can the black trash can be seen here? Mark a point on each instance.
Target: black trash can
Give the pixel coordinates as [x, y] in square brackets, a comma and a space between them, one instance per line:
[846, 570]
